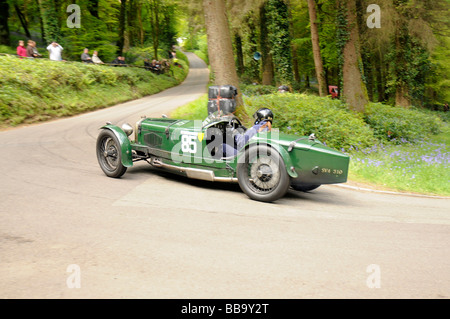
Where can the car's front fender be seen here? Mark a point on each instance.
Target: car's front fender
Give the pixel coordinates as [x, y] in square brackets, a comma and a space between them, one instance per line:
[125, 145]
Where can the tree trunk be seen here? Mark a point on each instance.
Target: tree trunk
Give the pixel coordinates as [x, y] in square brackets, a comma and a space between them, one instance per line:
[4, 29]
[316, 48]
[266, 56]
[220, 49]
[50, 20]
[280, 41]
[293, 47]
[23, 21]
[154, 20]
[354, 89]
[141, 25]
[41, 22]
[93, 7]
[239, 54]
[401, 88]
[122, 21]
[380, 78]
[401, 96]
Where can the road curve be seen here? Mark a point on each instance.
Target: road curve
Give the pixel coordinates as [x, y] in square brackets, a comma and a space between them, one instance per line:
[68, 231]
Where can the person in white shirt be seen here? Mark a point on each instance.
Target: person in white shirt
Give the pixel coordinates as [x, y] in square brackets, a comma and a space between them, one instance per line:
[55, 51]
[96, 59]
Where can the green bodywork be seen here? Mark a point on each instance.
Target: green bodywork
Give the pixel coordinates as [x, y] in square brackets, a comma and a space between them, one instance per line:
[181, 145]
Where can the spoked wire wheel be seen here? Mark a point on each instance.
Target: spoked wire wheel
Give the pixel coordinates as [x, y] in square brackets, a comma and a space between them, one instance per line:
[262, 175]
[109, 154]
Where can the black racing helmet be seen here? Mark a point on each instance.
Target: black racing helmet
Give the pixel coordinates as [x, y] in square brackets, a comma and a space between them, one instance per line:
[263, 114]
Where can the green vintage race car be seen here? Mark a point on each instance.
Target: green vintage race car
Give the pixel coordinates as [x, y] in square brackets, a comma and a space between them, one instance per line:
[265, 167]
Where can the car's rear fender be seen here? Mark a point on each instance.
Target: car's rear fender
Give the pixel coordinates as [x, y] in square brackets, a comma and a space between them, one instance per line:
[283, 153]
[125, 144]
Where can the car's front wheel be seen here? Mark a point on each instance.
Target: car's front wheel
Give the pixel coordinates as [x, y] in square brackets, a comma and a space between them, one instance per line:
[262, 174]
[109, 154]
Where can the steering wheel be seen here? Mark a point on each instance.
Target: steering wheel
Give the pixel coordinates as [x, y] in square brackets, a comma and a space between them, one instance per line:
[234, 120]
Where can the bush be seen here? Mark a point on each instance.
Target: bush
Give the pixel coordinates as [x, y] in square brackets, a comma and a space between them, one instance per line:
[396, 123]
[258, 89]
[330, 120]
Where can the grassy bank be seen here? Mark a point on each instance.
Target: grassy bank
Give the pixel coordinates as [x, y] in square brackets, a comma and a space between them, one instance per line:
[33, 90]
[420, 167]
[396, 148]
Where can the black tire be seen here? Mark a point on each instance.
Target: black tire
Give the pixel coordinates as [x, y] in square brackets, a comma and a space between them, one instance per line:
[304, 187]
[109, 154]
[262, 174]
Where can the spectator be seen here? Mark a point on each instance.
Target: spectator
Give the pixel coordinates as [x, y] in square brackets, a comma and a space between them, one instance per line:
[147, 64]
[96, 59]
[55, 51]
[165, 66]
[446, 109]
[85, 57]
[21, 51]
[155, 67]
[115, 61]
[32, 52]
[172, 54]
[119, 61]
[122, 61]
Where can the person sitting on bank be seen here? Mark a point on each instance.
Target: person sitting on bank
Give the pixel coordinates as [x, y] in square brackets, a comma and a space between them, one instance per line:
[85, 57]
[119, 61]
[96, 59]
[21, 50]
[32, 51]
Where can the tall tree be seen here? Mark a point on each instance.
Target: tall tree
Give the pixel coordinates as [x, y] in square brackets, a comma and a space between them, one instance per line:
[122, 26]
[4, 29]
[316, 48]
[50, 17]
[280, 40]
[154, 20]
[354, 89]
[23, 21]
[220, 48]
[266, 55]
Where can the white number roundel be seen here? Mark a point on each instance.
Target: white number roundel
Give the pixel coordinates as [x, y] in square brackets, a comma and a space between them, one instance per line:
[188, 143]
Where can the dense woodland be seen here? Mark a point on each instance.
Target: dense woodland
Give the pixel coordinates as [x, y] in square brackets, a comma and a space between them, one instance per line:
[397, 52]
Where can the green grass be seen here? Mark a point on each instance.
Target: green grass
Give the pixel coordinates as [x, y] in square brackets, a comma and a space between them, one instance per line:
[422, 167]
[195, 110]
[34, 90]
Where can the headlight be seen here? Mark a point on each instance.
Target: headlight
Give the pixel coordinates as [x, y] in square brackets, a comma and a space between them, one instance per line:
[127, 129]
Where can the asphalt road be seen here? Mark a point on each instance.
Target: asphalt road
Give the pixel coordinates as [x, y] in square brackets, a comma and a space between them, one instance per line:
[68, 231]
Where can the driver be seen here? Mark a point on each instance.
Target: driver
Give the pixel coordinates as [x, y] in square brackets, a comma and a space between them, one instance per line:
[263, 122]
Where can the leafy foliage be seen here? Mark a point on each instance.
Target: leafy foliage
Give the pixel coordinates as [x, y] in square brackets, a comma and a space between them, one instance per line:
[279, 36]
[34, 90]
[330, 120]
[395, 123]
[258, 89]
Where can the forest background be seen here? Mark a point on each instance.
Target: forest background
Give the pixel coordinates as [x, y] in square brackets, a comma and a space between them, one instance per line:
[390, 60]
[401, 46]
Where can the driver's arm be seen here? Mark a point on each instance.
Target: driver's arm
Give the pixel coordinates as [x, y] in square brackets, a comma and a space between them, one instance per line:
[242, 139]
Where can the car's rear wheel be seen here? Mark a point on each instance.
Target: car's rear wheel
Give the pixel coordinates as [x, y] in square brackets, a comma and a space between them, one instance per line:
[262, 174]
[109, 154]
